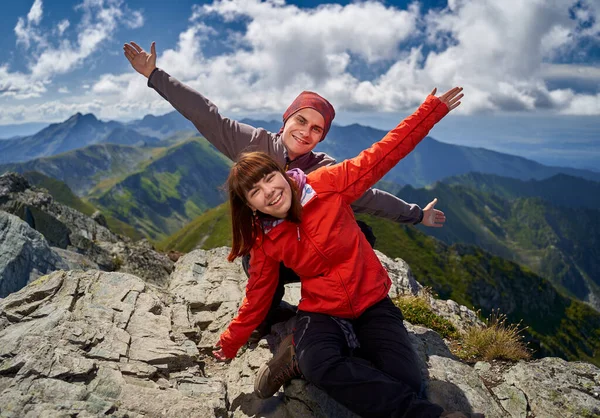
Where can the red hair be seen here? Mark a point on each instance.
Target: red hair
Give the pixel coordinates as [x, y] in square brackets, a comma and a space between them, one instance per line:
[246, 228]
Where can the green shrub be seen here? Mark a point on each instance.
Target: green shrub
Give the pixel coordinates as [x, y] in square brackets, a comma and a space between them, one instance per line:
[417, 311]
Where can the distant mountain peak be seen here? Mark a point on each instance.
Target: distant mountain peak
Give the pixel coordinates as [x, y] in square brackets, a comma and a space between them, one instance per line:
[80, 117]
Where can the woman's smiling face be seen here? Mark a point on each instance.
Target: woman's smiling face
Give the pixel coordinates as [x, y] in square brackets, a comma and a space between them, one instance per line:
[271, 195]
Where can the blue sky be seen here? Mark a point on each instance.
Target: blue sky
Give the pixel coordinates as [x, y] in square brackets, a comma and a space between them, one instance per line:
[530, 69]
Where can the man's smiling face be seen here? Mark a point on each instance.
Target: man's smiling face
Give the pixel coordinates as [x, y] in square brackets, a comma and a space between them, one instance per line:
[302, 132]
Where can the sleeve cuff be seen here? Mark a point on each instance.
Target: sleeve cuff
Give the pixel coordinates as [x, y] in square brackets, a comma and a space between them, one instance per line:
[150, 77]
[420, 218]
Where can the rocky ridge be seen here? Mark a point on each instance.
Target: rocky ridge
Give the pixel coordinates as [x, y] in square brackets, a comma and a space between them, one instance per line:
[75, 240]
[93, 343]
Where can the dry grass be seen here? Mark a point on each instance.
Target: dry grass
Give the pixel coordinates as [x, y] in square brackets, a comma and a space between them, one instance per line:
[496, 341]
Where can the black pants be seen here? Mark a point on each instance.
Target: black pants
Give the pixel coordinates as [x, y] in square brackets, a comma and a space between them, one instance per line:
[287, 275]
[379, 379]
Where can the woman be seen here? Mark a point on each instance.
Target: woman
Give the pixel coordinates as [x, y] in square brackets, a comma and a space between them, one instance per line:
[305, 221]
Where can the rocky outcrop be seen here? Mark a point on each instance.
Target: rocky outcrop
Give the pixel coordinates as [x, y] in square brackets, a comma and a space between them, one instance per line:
[24, 254]
[104, 343]
[88, 242]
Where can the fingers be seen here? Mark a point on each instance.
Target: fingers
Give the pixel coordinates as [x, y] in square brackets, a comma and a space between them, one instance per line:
[454, 106]
[451, 93]
[439, 219]
[136, 46]
[455, 101]
[128, 54]
[129, 51]
[153, 48]
[452, 97]
[433, 92]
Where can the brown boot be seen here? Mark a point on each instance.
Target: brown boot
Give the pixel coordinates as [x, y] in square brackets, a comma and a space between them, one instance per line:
[282, 368]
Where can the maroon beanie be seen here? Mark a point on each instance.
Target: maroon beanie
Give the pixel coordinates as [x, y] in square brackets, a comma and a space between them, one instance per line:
[308, 99]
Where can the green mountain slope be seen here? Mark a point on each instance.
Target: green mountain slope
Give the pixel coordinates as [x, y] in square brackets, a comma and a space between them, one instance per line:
[209, 230]
[558, 325]
[170, 191]
[558, 243]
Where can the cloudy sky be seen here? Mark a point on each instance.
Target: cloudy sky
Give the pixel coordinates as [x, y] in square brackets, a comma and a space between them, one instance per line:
[530, 68]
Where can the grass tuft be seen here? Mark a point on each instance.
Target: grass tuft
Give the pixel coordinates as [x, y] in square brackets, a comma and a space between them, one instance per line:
[498, 340]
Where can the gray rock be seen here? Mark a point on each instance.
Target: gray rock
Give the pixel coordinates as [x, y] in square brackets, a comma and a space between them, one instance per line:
[99, 218]
[75, 260]
[403, 280]
[140, 259]
[457, 387]
[512, 399]
[554, 387]
[24, 254]
[96, 344]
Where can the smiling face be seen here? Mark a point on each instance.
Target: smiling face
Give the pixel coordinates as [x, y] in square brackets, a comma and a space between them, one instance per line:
[302, 132]
[271, 195]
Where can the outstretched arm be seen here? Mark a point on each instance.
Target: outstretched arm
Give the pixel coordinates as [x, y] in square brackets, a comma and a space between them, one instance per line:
[385, 205]
[262, 284]
[229, 136]
[353, 177]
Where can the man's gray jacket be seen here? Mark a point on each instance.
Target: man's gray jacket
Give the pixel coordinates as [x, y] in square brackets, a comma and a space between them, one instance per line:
[233, 138]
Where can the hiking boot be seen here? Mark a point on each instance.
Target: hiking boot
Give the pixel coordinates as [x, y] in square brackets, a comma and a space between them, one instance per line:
[457, 414]
[282, 368]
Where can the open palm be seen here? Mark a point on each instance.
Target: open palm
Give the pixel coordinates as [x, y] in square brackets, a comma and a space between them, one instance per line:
[451, 98]
[141, 61]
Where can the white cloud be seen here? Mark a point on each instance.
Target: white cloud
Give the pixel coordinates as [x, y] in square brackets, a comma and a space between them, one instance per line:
[19, 85]
[63, 26]
[27, 31]
[63, 90]
[100, 20]
[35, 13]
[497, 50]
[134, 20]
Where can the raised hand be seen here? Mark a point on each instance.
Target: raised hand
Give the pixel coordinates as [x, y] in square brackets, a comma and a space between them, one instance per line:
[141, 61]
[433, 217]
[451, 98]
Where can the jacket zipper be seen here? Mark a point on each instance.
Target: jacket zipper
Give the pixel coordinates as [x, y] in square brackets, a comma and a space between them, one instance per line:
[328, 262]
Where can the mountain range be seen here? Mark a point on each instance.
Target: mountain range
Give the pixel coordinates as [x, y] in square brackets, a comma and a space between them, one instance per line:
[76, 132]
[431, 161]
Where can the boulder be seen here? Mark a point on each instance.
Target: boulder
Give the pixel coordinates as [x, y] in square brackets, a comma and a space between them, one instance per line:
[24, 254]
